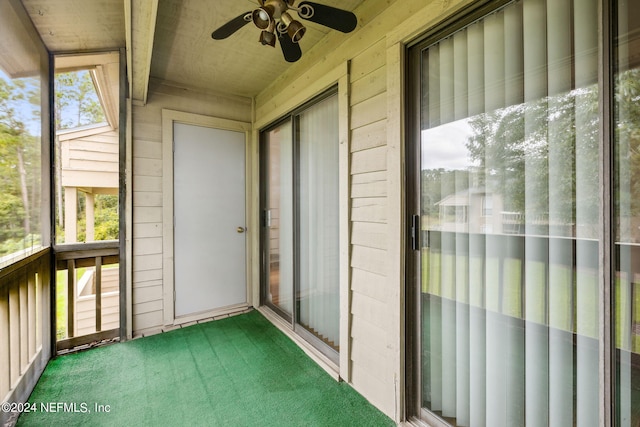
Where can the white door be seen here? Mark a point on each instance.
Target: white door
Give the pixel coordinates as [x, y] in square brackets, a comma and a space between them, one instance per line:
[209, 215]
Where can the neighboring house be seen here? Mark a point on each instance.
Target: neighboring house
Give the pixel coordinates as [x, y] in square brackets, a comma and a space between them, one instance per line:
[473, 211]
[90, 164]
[295, 189]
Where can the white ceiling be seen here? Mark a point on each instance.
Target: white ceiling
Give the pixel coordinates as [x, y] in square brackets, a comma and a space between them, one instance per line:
[176, 46]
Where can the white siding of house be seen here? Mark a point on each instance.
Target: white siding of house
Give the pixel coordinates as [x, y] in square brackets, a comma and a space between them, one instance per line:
[90, 159]
[147, 282]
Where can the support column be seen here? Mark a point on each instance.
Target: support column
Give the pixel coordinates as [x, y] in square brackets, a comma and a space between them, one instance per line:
[70, 214]
[91, 218]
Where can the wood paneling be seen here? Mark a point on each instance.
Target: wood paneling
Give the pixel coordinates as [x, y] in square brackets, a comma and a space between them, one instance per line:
[144, 277]
[372, 160]
[148, 246]
[368, 383]
[369, 259]
[371, 184]
[146, 317]
[372, 209]
[369, 111]
[70, 25]
[369, 136]
[370, 284]
[370, 59]
[370, 235]
[90, 158]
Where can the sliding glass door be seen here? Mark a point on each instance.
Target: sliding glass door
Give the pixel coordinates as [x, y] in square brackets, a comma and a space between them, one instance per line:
[317, 293]
[277, 208]
[507, 177]
[300, 221]
[627, 211]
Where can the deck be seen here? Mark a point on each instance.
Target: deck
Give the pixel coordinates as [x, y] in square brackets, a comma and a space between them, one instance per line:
[239, 371]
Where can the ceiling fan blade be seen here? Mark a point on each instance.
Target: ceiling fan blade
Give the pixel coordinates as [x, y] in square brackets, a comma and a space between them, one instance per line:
[290, 50]
[338, 19]
[231, 27]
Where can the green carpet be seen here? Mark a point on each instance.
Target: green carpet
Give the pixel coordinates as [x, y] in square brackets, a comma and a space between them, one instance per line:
[239, 371]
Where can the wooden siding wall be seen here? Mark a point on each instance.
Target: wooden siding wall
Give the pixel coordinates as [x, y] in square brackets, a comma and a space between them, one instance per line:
[376, 164]
[147, 281]
[90, 160]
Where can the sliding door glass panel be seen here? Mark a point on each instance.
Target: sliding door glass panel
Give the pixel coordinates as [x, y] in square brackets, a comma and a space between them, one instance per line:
[509, 209]
[318, 292]
[279, 218]
[627, 212]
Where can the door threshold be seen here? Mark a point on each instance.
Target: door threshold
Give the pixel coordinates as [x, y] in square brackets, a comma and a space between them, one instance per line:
[216, 314]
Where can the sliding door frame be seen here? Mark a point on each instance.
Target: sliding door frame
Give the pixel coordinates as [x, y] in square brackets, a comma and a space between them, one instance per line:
[292, 319]
[606, 232]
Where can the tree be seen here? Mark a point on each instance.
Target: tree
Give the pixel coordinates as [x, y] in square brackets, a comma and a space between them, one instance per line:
[77, 103]
[627, 154]
[19, 159]
[542, 157]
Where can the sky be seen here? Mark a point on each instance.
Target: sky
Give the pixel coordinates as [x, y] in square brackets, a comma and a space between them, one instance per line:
[445, 146]
[26, 112]
[23, 108]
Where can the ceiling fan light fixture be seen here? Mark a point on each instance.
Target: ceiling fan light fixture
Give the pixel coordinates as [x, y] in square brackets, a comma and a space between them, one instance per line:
[263, 16]
[294, 28]
[268, 38]
[296, 31]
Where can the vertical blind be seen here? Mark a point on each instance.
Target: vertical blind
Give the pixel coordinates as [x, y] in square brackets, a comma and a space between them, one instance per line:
[319, 222]
[627, 210]
[280, 212]
[509, 113]
[302, 208]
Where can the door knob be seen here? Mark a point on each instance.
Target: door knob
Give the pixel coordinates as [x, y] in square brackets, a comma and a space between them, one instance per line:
[241, 229]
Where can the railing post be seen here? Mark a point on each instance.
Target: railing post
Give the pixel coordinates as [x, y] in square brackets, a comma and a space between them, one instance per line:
[81, 308]
[23, 280]
[42, 285]
[32, 307]
[5, 358]
[98, 277]
[14, 330]
[71, 297]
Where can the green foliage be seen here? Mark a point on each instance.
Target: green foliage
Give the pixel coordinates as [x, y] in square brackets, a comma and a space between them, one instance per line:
[543, 158]
[106, 217]
[107, 224]
[14, 245]
[20, 165]
[532, 154]
[77, 103]
[627, 153]
[11, 218]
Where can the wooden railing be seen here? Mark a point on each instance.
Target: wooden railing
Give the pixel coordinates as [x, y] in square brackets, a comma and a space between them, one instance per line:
[25, 326]
[85, 314]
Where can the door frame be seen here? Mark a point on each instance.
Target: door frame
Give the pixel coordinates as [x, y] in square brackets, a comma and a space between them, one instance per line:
[169, 117]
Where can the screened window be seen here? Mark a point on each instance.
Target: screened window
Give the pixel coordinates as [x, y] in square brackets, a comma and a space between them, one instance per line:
[86, 148]
[21, 123]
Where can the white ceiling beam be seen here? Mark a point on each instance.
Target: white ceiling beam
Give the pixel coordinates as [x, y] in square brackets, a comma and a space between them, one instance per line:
[140, 17]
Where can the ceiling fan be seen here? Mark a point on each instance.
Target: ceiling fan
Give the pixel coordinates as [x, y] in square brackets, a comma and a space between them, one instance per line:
[275, 21]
